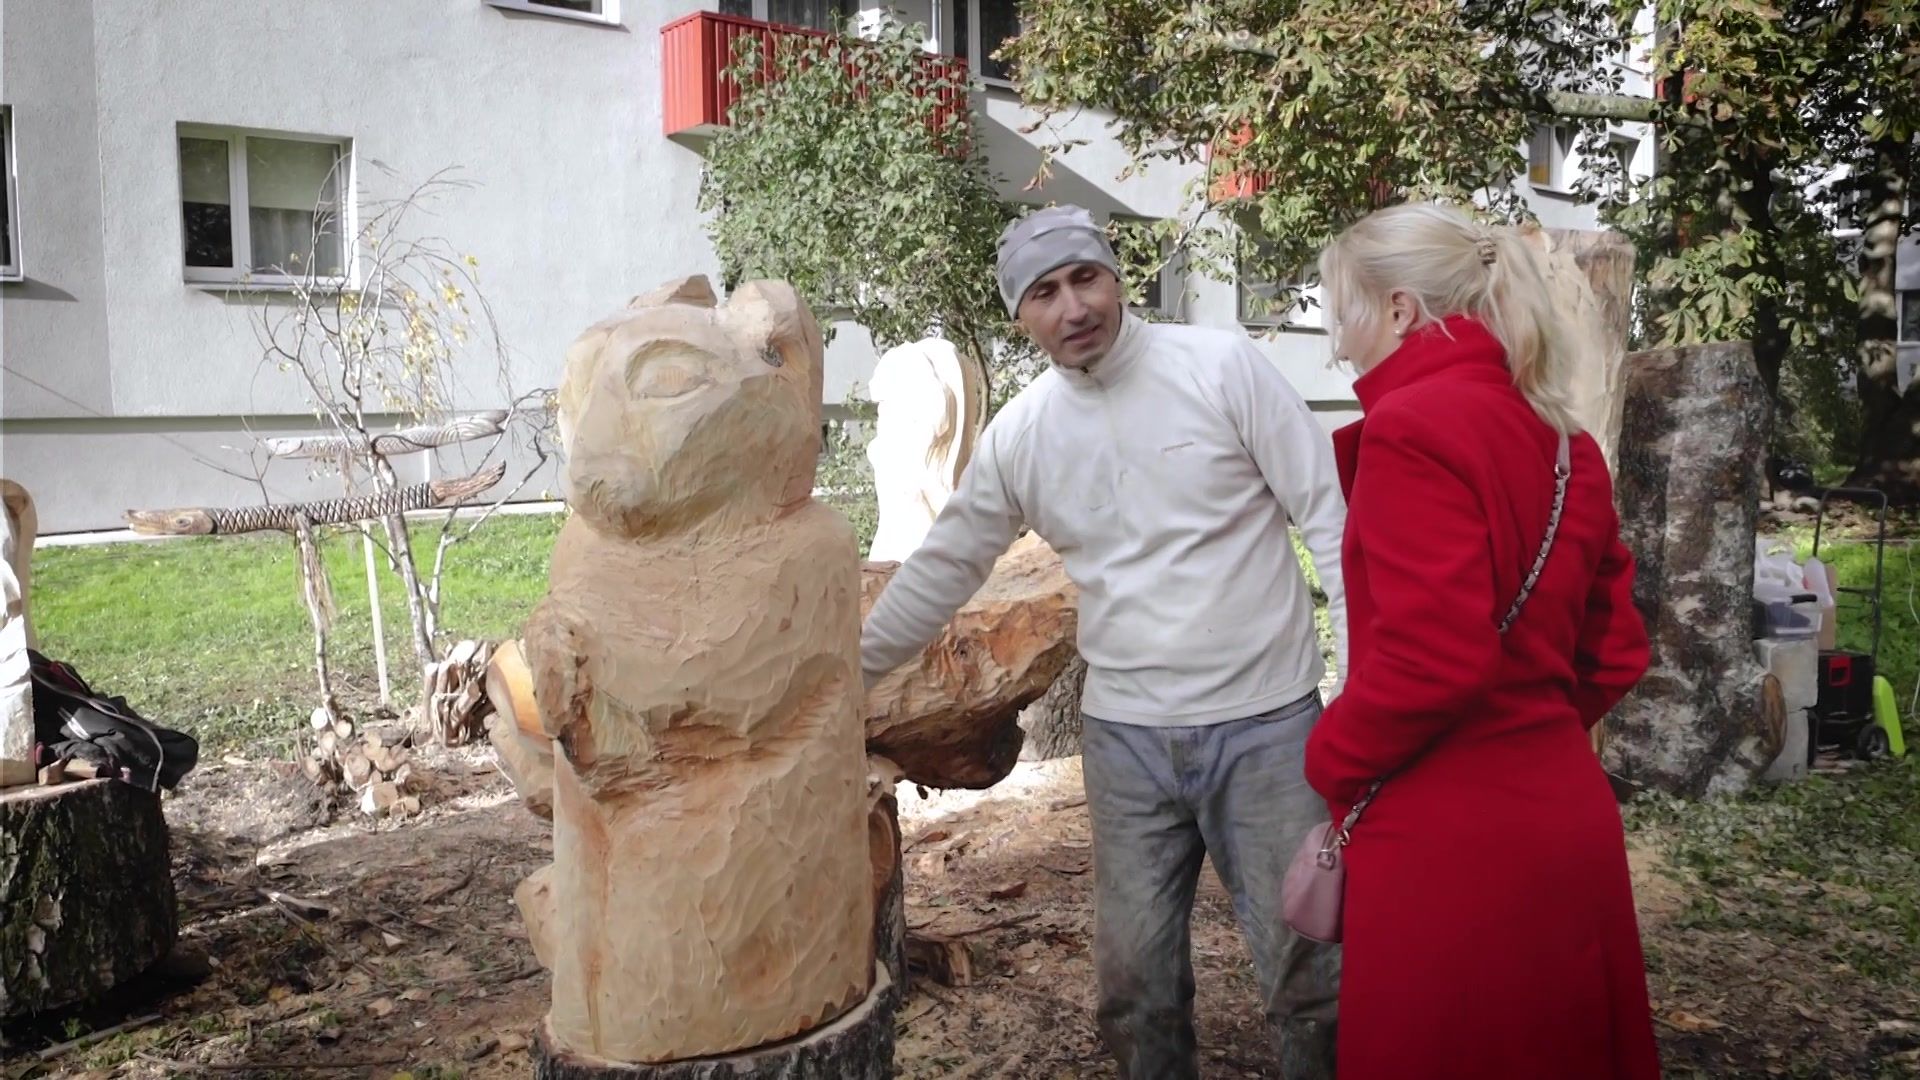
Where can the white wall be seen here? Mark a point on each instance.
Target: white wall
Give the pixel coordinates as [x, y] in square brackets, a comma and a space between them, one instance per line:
[580, 202]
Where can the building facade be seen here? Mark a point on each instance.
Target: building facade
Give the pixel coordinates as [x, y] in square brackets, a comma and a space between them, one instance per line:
[159, 155]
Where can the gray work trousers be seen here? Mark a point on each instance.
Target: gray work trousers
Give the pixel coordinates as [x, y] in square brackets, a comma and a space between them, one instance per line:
[1161, 799]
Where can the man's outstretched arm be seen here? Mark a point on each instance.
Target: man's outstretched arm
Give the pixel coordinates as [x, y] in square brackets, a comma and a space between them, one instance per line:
[975, 528]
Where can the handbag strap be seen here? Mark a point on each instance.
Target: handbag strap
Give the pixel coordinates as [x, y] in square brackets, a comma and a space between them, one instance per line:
[1562, 472]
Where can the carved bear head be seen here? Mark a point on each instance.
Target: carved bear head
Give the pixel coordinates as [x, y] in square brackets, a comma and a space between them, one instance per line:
[681, 411]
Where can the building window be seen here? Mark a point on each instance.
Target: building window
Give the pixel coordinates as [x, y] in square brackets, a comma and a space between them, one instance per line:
[262, 207]
[1620, 184]
[831, 16]
[1549, 156]
[1291, 304]
[600, 11]
[9, 202]
[999, 23]
[1910, 315]
[1146, 258]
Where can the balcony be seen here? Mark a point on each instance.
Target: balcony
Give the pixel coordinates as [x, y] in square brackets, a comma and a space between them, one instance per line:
[697, 50]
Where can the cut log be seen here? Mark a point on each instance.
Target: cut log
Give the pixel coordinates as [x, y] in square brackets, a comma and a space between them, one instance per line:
[1692, 447]
[950, 718]
[86, 896]
[856, 1046]
[1052, 724]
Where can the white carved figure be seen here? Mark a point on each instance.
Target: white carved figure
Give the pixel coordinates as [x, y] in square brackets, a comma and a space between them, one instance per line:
[17, 526]
[920, 442]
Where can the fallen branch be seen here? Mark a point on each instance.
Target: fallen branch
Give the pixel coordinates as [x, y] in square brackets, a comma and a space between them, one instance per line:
[62, 1049]
[433, 495]
[405, 440]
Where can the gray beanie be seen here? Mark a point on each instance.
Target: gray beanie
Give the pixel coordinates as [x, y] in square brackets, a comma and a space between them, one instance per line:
[1044, 241]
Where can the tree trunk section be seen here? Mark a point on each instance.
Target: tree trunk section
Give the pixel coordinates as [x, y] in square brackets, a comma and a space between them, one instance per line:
[1052, 724]
[86, 894]
[857, 1046]
[1692, 445]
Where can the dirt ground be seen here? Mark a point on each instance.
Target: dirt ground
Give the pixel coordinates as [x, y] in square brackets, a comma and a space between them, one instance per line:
[393, 949]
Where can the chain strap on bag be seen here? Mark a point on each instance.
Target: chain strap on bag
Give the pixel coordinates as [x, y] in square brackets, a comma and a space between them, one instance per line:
[1313, 893]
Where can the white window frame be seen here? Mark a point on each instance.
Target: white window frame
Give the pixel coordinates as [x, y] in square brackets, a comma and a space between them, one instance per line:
[1624, 148]
[1171, 282]
[14, 270]
[237, 196]
[1311, 320]
[976, 51]
[762, 11]
[604, 13]
[1551, 148]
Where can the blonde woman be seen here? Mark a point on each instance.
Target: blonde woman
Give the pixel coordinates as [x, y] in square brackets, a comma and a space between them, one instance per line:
[1489, 920]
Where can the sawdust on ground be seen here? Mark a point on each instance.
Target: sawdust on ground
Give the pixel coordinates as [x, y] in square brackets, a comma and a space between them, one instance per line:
[394, 948]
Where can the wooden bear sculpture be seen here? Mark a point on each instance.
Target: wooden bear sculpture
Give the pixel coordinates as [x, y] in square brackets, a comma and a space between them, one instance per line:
[695, 662]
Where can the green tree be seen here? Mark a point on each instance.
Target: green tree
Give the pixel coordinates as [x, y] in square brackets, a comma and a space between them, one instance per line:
[851, 169]
[1340, 106]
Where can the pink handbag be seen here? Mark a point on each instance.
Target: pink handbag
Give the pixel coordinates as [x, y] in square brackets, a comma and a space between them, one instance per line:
[1313, 895]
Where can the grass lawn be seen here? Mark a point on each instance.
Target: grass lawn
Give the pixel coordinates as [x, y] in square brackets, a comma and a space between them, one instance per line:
[209, 635]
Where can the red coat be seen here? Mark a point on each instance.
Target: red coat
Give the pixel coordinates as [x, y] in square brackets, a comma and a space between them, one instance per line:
[1490, 928]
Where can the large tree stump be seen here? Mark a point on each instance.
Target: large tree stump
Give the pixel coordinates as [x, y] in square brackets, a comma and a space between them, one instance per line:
[1692, 446]
[1052, 724]
[950, 718]
[86, 893]
[856, 1046]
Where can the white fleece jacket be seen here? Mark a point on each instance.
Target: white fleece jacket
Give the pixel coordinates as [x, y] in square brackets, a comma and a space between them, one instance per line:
[1165, 478]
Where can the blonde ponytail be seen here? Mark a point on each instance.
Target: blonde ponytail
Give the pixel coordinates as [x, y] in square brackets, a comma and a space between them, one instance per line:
[1453, 265]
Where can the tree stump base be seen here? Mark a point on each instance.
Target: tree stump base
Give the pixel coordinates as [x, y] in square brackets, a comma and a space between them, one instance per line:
[857, 1046]
[86, 892]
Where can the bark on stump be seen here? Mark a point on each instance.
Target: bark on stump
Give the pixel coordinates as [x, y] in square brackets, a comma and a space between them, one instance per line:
[1052, 724]
[856, 1046]
[86, 892]
[1692, 447]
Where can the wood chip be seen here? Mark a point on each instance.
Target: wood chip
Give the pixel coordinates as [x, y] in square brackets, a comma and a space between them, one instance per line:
[1682, 1020]
[1014, 891]
[512, 1042]
[1067, 804]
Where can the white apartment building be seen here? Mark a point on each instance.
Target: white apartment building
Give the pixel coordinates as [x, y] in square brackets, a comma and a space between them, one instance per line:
[157, 151]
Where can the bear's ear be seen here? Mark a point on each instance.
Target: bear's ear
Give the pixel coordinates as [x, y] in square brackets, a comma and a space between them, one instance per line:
[772, 313]
[695, 291]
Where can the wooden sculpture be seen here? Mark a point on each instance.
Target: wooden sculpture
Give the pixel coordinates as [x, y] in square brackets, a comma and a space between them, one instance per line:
[695, 666]
[920, 443]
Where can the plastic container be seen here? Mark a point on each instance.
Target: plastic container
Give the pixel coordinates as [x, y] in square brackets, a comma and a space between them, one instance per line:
[1795, 616]
[1820, 580]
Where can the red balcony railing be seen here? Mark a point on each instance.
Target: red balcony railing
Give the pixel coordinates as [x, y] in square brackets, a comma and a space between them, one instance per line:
[1231, 184]
[1228, 186]
[696, 52]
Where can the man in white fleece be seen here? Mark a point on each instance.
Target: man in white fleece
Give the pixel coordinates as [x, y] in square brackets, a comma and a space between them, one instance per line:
[1163, 463]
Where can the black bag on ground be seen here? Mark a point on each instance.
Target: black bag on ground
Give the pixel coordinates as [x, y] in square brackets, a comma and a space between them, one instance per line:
[73, 721]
